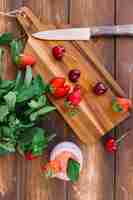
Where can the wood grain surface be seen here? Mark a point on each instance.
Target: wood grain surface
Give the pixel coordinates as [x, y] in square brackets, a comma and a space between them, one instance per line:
[105, 176]
[99, 167]
[124, 61]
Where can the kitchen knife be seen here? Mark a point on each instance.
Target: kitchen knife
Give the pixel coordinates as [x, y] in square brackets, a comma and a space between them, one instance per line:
[84, 33]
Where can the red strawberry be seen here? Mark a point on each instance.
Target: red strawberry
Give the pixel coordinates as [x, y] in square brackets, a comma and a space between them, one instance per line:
[58, 87]
[62, 91]
[125, 103]
[111, 145]
[30, 156]
[25, 60]
[51, 168]
[120, 104]
[74, 98]
[58, 52]
[57, 82]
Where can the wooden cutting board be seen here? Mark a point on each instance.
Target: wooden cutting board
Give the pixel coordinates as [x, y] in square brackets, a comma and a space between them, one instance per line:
[96, 117]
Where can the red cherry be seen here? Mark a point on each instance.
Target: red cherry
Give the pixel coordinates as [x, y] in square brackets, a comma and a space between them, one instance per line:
[58, 52]
[111, 145]
[74, 75]
[100, 88]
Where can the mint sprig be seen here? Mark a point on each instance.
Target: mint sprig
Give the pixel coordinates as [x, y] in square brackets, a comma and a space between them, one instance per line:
[16, 50]
[22, 104]
[73, 170]
[6, 38]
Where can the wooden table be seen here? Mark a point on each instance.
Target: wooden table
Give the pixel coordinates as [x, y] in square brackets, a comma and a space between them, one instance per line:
[105, 177]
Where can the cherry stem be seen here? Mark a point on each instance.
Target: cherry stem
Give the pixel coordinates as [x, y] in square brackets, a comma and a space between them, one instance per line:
[123, 136]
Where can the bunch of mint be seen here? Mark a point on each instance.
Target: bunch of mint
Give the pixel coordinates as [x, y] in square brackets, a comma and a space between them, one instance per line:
[23, 102]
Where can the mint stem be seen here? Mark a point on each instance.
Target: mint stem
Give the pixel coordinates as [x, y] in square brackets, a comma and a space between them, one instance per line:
[1, 62]
[123, 136]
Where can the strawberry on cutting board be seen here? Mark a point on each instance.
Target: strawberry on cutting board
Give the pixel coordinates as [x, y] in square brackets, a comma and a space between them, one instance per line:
[120, 104]
[59, 88]
[74, 98]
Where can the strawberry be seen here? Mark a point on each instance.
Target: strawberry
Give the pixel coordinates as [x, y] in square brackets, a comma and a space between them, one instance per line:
[120, 104]
[57, 82]
[24, 60]
[51, 168]
[58, 87]
[74, 97]
[30, 156]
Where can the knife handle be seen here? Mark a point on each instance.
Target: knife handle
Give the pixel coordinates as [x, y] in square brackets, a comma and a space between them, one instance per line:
[112, 30]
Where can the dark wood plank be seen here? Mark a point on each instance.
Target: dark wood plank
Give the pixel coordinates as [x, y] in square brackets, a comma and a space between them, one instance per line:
[35, 185]
[8, 169]
[124, 60]
[53, 11]
[97, 178]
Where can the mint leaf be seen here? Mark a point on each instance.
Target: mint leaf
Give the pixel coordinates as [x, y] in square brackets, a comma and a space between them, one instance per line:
[35, 104]
[41, 112]
[16, 50]
[5, 87]
[27, 136]
[3, 151]
[3, 112]
[116, 107]
[35, 89]
[73, 170]
[6, 38]
[25, 94]
[10, 99]
[39, 136]
[29, 125]
[39, 85]
[18, 81]
[7, 133]
[33, 140]
[7, 84]
[8, 146]
[13, 121]
[28, 76]
[39, 142]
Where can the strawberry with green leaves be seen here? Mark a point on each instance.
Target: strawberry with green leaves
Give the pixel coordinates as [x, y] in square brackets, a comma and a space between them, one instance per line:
[20, 59]
[59, 88]
[74, 98]
[120, 104]
[24, 60]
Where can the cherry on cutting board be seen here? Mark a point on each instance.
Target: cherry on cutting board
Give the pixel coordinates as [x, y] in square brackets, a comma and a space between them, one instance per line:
[58, 52]
[100, 88]
[74, 75]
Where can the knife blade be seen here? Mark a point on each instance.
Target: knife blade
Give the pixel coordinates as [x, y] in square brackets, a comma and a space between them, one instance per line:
[84, 33]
